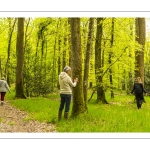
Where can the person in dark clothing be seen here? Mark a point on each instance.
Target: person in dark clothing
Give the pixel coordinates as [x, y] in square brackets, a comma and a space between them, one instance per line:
[135, 81]
[138, 89]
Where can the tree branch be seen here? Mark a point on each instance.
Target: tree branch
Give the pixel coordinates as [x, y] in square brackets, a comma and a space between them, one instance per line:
[114, 61]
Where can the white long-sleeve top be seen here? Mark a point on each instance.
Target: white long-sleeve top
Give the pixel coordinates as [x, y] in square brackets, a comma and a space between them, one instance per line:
[65, 83]
[4, 86]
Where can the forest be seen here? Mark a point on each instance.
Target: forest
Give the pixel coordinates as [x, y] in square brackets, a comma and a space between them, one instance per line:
[106, 54]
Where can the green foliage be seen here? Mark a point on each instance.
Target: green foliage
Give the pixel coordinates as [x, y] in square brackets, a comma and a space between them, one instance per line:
[147, 66]
[48, 47]
[147, 78]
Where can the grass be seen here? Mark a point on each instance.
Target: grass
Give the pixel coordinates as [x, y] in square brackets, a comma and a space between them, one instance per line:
[11, 123]
[40, 108]
[120, 115]
[110, 118]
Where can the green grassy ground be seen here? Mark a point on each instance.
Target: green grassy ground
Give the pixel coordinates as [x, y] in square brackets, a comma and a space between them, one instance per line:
[120, 115]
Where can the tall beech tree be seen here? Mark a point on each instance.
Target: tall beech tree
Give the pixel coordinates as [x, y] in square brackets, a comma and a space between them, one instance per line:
[110, 58]
[78, 98]
[139, 52]
[10, 34]
[87, 59]
[20, 59]
[27, 61]
[98, 63]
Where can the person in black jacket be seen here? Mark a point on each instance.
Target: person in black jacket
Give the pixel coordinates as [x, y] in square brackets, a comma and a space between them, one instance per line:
[138, 89]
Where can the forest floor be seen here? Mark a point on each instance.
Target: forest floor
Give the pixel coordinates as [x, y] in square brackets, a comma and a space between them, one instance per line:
[13, 120]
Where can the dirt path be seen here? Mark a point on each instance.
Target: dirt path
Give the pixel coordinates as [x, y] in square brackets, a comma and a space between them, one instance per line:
[12, 120]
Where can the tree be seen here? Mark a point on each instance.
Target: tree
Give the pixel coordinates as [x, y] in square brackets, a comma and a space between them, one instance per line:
[20, 59]
[98, 63]
[139, 52]
[10, 34]
[78, 99]
[131, 75]
[47, 49]
[87, 59]
[110, 58]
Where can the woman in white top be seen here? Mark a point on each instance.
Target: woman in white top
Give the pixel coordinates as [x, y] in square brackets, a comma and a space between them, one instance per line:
[66, 85]
[3, 89]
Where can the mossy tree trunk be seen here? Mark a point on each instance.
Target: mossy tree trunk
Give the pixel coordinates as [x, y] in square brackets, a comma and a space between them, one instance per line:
[26, 69]
[78, 98]
[110, 59]
[87, 60]
[20, 59]
[98, 63]
[139, 52]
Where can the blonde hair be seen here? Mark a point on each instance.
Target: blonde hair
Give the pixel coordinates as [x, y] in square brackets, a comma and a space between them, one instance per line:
[139, 80]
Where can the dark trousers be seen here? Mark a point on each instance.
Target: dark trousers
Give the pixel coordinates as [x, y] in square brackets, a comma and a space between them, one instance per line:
[139, 99]
[2, 95]
[65, 102]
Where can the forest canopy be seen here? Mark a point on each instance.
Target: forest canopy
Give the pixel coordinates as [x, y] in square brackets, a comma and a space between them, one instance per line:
[115, 44]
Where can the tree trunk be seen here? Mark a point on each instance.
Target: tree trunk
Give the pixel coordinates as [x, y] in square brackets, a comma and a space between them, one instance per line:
[26, 68]
[109, 60]
[69, 45]
[20, 59]
[64, 53]
[139, 53]
[78, 98]
[87, 60]
[59, 60]
[10, 33]
[98, 63]
[131, 76]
